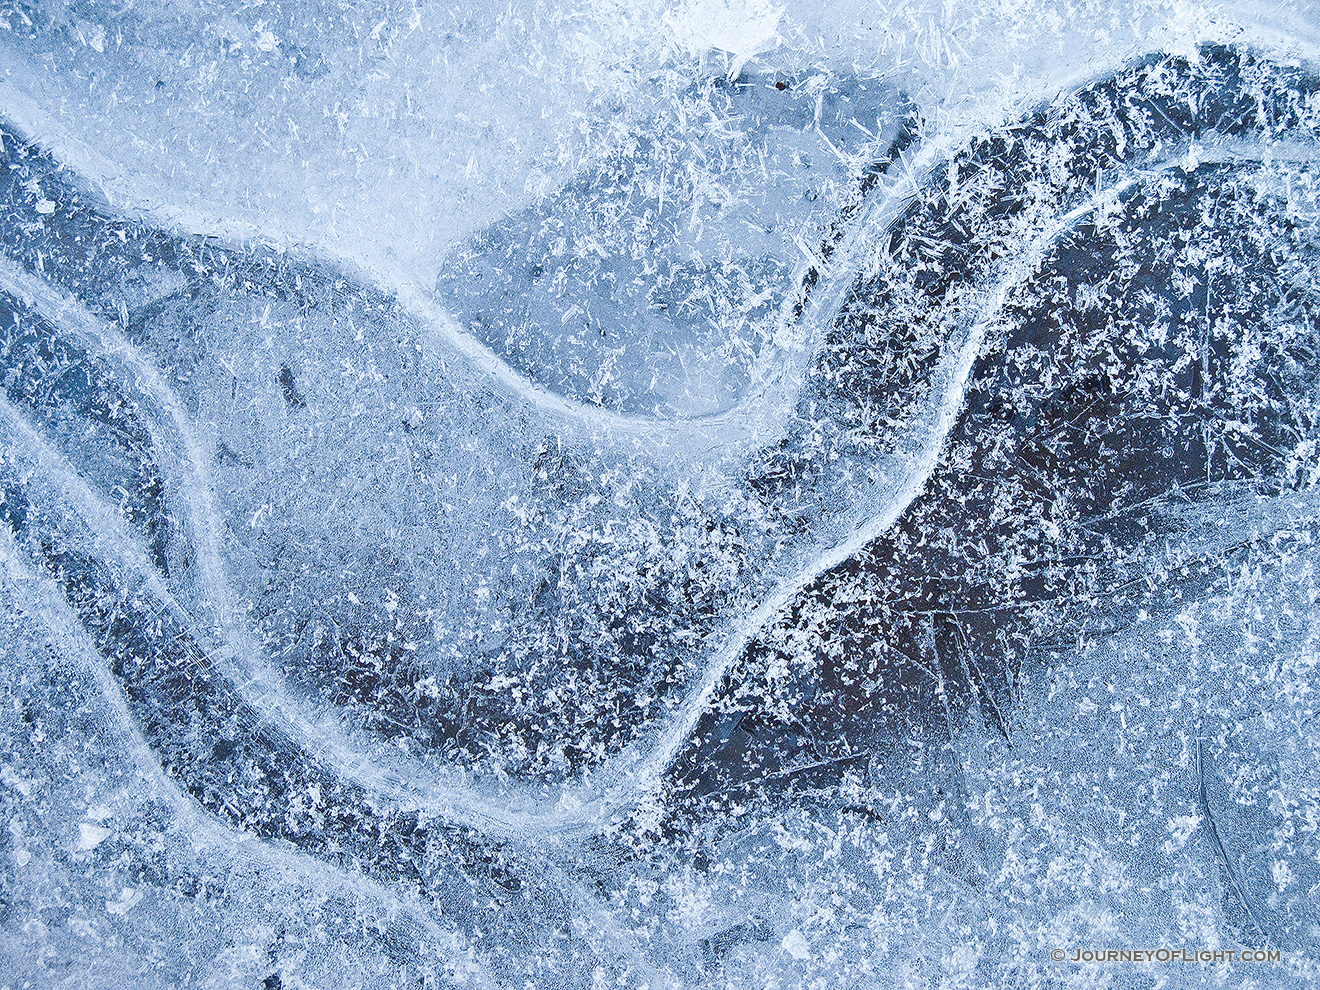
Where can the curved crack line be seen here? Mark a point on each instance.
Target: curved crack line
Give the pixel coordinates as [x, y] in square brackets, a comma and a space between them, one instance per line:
[646, 774]
[743, 429]
[108, 530]
[570, 810]
[322, 738]
[1236, 881]
[757, 418]
[109, 536]
[41, 598]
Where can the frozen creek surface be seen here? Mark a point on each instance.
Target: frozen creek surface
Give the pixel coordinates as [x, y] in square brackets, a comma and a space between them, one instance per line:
[691, 495]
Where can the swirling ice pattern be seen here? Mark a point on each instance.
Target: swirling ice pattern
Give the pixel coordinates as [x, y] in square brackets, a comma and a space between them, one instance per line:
[457, 655]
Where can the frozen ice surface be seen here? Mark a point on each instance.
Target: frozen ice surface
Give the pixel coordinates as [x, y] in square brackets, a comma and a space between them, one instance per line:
[658, 495]
[653, 286]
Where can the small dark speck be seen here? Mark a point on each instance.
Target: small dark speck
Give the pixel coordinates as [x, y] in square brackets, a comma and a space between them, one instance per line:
[272, 982]
[224, 452]
[160, 83]
[290, 390]
[781, 85]
[536, 271]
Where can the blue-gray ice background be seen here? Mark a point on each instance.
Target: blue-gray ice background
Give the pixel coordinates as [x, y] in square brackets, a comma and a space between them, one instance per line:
[640, 494]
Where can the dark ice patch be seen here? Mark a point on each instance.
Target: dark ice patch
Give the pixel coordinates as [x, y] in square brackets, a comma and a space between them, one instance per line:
[1164, 354]
[289, 389]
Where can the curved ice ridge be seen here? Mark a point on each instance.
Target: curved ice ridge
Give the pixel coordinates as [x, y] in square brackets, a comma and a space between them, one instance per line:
[520, 811]
[638, 772]
[239, 656]
[117, 547]
[758, 418]
[517, 811]
[647, 773]
[40, 596]
[736, 431]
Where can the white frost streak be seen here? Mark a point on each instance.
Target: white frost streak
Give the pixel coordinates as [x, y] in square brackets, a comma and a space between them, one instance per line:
[515, 811]
[41, 599]
[686, 443]
[241, 660]
[646, 775]
[634, 778]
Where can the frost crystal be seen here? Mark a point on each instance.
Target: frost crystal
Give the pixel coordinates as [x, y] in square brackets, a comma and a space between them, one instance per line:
[695, 495]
